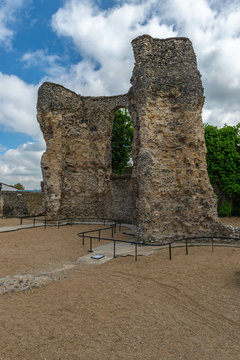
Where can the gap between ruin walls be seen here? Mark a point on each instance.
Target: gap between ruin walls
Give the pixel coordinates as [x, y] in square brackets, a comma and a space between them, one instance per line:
[168, 193]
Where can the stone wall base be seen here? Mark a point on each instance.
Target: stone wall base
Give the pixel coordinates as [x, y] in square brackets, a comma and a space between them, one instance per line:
[21, 203]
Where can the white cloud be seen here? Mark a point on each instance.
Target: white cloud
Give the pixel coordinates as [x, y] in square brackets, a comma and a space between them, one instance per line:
[48, 63]
[40, 58]
[8, 17]
[103, 38]
[18, 113]
[23, 164]
[215, 33]
[18, 105]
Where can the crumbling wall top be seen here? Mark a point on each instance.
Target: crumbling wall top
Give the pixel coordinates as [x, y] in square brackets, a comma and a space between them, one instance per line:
[168, 68]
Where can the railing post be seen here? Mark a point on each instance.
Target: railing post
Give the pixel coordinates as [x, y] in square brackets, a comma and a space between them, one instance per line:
[186, 247]
[45, 223]
[135, 251]
[114, 249]
[90, 250]
[112, 231]
[120, 225]
[99, 235]
[115, 226]
[170, 251]
[34, 220]
[83, 239]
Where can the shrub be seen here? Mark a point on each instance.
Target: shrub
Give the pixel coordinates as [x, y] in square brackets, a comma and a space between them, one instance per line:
[225, 209]
[122, 136]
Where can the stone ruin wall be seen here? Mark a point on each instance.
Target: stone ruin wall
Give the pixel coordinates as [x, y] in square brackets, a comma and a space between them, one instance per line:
[77, 166]
[168, 193]
[17, 203]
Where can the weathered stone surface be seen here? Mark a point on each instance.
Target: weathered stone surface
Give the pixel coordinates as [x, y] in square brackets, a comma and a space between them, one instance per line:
[77, 164]
[21, 203]
[122, 205]
[24, 282]
[1, 205]
[174, 193]
[169, 193]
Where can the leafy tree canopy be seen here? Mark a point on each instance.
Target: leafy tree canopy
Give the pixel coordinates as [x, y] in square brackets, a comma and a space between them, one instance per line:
[122, 136]
[19, 186]
[223, 158]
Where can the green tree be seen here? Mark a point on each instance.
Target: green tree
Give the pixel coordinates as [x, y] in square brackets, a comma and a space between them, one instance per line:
[19, 186]
[122, 136]
[223, 161]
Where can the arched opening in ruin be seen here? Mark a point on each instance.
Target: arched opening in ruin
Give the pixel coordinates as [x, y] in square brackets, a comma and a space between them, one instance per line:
[121, 142]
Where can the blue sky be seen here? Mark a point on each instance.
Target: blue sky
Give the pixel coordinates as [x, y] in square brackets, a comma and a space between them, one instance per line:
[85, 46]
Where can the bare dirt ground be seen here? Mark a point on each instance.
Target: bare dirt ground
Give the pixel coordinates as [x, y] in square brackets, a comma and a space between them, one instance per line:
[4, 222]
[40, 250]
[187, 308]
[234, 221]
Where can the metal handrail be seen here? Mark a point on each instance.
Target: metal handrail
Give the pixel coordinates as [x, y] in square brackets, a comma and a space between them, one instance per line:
[61, 221]
[113, 227]
[163, 245]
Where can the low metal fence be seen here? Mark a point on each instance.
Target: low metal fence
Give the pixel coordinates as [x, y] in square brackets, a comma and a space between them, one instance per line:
[65, 221]
[183, 242]
[36, 221]
[186, 242]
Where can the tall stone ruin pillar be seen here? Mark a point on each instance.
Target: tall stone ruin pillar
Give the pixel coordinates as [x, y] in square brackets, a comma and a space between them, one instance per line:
[175, 197]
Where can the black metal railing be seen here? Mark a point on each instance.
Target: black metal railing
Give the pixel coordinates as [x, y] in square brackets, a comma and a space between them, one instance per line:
[112, 227]
[183, 242]
[84, 236]
[62, 221]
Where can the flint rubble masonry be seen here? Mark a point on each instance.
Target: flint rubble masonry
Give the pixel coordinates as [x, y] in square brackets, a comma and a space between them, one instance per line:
[169, 193]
